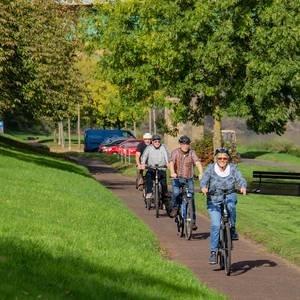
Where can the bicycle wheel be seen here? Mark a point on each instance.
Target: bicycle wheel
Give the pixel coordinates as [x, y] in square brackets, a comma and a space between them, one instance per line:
[227, 249]
[156, 200]
[222, 246]
[188, 219]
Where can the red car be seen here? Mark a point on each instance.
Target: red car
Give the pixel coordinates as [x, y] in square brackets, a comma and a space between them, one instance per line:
[112, 147]
[129, 147]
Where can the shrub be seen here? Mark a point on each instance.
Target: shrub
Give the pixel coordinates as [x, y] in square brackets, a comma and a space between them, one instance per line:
[205, 151]
[204, 148]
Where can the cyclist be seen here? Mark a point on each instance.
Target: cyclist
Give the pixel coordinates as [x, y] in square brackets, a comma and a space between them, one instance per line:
[181, 165]
[147, 139]
[217, 177]
[155, 154]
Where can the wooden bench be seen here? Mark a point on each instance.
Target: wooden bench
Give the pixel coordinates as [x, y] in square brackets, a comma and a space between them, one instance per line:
[261, 175]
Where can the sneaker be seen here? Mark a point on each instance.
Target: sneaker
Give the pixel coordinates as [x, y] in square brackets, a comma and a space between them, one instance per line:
[213, 258]
[174, 212]
[234, 234]
[194, 227]
[149, 196]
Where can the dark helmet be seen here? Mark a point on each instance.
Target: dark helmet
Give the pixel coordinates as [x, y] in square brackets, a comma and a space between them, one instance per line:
[184, 140]
[222, 150]
[156, 137]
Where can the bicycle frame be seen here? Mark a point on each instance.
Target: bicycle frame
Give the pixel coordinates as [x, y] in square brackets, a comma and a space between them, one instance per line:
[157, 190]
[225, 242]
[185, 216]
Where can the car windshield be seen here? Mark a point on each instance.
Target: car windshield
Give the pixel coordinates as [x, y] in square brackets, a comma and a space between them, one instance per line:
[130, 144]
[115, 142]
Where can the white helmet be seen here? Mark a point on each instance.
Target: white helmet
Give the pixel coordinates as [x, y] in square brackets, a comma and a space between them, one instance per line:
[147, 136]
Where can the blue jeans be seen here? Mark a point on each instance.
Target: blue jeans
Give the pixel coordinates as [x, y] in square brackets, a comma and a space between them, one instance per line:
[214, 210]
[176, 199]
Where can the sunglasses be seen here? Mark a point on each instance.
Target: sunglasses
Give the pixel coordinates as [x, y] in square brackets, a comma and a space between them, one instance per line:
[222, 158]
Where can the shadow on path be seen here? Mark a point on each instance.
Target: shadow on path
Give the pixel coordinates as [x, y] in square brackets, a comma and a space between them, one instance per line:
[241, 267]
[200, 236]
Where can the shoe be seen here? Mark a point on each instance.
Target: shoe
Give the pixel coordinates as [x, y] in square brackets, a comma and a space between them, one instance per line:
[213, 258]
[194, 227]
[234, 234]
[174, 212]
[149, 196]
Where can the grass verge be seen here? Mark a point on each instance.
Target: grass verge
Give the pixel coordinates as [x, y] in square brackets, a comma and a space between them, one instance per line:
[64, 236]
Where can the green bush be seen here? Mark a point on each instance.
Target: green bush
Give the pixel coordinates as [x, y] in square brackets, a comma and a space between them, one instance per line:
[204, 148]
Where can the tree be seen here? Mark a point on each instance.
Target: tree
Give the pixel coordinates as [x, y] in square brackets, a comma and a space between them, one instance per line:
[209, 53]
[39, 76]
[271, 88]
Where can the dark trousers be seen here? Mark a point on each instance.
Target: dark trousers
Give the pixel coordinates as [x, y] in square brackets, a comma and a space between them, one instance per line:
[162, 178]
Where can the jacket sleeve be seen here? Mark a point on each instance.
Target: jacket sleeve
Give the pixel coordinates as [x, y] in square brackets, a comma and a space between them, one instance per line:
[206, 177]
[145, 155]
[240, 180]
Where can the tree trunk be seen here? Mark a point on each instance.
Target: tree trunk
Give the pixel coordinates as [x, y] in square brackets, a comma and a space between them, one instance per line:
[78, 127]
[54, 136]
[150, 120]
[217, 136]
[59, 134]
[134, 128]
[69, 134]
[154, 121]
[62, 134]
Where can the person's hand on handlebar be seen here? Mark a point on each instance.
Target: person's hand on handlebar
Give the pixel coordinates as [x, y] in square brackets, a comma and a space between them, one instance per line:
[173, 175]
[204, 190]
[141, 166]
[243, 191]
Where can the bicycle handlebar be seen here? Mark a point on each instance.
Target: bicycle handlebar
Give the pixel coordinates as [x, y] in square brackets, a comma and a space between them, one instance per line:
[222, 192]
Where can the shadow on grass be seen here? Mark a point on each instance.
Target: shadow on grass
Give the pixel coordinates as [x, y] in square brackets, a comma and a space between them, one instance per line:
[43, 160]
[28, 271]
[253, 154]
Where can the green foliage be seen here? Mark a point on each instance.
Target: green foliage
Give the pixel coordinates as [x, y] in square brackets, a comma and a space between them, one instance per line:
[204, 148]
[215, 56]
[37, 73]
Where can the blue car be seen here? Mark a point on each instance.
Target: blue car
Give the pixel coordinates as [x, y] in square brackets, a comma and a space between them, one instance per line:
[94, 137]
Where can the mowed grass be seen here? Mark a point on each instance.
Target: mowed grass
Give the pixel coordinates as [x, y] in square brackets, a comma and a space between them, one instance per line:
[273, 221]
[64, 236]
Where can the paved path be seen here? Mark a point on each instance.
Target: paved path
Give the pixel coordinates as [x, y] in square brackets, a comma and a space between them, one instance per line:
[256, 273]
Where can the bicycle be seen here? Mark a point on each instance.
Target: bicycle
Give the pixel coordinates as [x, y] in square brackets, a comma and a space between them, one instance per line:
[158, 198]
[184, 218]
[225, 241]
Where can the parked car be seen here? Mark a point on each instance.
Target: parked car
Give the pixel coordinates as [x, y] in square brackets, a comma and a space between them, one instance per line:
[111, 147]
[129, 147]
[94, 137]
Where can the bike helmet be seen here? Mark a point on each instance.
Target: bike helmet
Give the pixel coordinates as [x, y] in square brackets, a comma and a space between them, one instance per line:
[184, 140]
[156, 137]
[222, 150]
[147, 136]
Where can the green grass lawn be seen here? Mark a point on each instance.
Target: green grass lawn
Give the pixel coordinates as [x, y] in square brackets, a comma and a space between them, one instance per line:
[266, 154]
[64, 236]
